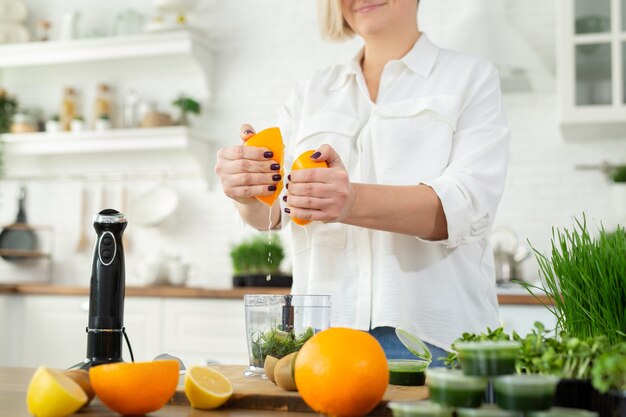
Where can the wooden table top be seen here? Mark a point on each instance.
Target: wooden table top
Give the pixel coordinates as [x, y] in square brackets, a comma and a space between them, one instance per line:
[250, 398]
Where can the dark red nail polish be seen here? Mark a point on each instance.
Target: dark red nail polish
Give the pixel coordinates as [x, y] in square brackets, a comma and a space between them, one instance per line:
[287, 210]
[289, 177]
[275, 167]
[268, 154]
[287, 186]
[248, 132]
[276, 177]
[272, 188]
[316, 155]
[285, 198]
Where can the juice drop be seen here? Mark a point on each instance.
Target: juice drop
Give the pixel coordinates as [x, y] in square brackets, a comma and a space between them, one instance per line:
[269, 242]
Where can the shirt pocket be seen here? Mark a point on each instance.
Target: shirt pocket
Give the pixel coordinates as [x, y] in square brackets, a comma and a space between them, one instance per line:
[412, 139]
[338, 131]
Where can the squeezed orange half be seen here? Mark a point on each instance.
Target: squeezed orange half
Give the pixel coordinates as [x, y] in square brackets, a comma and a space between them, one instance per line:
[304, 161]
[272, 140]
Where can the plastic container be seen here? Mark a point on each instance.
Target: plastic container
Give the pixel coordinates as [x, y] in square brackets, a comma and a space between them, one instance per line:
[488, 358]
[485, 411]
[418, 409]
[409, 372]
[563, 412]
[525, 392]
[452, 388]
[272, 319]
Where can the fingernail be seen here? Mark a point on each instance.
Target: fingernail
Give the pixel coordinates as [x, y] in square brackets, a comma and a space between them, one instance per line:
[287, 210]
[287, 186]
[289, 177]
[271, 188]
[275, 167]
[316, 155]
[268, 154]
[276, 177]
[285, 198]
[248, 132]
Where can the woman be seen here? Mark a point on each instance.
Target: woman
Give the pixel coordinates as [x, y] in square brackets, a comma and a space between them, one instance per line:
[417, 143]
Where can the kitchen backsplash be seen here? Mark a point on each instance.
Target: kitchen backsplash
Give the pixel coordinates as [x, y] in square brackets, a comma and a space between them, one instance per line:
[261, 49]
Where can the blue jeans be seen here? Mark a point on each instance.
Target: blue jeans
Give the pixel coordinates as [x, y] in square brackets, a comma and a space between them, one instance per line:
[394, 349]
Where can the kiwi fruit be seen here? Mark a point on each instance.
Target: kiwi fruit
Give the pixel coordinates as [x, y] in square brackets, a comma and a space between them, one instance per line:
[269, 366]
[81, 377]
[283, 372]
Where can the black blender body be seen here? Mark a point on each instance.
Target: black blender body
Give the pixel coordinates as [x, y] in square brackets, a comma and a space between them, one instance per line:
[105, 330]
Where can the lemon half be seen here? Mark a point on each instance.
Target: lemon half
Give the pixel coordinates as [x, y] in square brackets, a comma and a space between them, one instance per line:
[207, 388]
[52, 394]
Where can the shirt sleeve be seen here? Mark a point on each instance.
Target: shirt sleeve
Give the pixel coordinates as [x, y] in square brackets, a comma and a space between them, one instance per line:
[472, 184]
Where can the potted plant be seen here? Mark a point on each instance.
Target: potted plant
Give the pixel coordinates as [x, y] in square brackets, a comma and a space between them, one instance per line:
[78, 124]
[609, 380]
[8, 108]
[186, 105]
[583, 278]
[256, 262]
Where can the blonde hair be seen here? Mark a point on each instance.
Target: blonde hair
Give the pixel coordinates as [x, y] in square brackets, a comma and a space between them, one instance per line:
[332, 24]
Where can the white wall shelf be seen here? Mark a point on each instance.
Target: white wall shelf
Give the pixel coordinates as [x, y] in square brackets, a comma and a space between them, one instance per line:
[105, 49]
[115, 140]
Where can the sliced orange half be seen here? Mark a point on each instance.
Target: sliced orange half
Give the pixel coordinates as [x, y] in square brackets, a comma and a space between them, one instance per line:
[304, 161]
[272, 140]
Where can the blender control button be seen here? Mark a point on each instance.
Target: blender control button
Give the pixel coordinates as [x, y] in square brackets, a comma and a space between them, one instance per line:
[107, 241]
[106, 254]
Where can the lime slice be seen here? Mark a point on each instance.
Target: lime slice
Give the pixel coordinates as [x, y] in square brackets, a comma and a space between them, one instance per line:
[414, 344]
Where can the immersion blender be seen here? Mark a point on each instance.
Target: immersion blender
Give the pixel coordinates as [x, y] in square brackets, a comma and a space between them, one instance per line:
[106, 299]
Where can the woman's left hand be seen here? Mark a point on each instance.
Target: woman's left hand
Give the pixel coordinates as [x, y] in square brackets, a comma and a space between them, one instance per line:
[322, 194]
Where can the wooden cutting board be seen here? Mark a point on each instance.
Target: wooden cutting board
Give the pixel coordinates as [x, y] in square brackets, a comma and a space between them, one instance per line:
[258, 394]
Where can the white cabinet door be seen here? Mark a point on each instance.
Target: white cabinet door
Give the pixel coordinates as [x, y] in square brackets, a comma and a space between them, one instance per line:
[143, 319]
[53, 329]
[205, 330]
[521, 318]
[4, 331]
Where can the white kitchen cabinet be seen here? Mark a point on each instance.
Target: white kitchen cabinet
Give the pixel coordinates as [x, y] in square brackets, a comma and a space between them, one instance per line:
[592, 67]
[521, 318]
[205, 330]
[51, 329]
[4, 330]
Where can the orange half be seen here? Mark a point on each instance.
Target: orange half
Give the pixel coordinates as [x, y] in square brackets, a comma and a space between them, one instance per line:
[304, 161]
[272, 140]
[135, 388]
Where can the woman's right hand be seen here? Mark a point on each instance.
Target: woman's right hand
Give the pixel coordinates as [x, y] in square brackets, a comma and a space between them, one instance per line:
[247, 171]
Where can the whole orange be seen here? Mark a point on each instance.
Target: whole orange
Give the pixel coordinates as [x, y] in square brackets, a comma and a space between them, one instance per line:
[135, 388]
[304, 161]
[342, 372]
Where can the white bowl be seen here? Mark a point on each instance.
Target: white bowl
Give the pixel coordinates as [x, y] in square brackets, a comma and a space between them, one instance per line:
[153, 207]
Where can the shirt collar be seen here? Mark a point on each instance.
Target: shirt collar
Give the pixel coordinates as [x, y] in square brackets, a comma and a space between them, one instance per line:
[420, 59]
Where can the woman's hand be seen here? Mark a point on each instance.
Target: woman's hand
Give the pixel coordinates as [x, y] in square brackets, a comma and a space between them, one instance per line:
[247, 171]
[322, 194]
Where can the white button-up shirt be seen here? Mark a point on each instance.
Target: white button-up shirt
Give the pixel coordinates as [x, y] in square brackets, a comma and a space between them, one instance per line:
[438, 120]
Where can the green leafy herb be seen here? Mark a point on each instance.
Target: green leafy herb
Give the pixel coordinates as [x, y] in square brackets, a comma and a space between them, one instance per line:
[585, 280]
[619, 174]
[563, 355]
[277, 343]
[609, 370]
[451, 360]
[257, 255]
